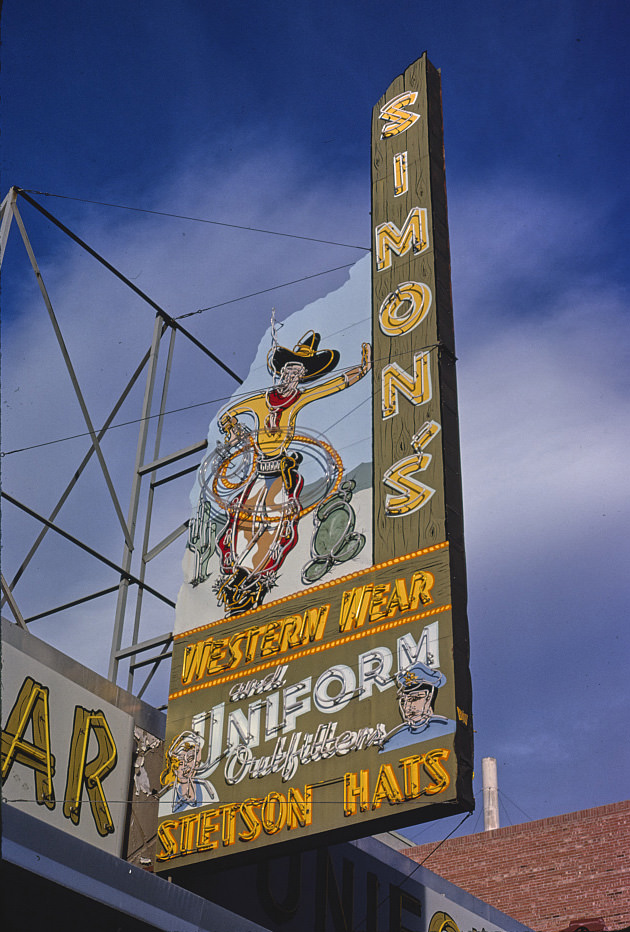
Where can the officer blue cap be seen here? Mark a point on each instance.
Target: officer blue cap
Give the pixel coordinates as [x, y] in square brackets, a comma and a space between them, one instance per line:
[416, 676]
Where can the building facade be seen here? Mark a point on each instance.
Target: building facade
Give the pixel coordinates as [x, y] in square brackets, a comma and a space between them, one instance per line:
[546, 873]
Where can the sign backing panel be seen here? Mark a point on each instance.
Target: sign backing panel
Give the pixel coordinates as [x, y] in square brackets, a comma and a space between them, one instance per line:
[320, 666]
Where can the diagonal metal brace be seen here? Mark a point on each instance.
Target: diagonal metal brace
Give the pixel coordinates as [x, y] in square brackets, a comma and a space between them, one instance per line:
[93, 553]
[73, 378]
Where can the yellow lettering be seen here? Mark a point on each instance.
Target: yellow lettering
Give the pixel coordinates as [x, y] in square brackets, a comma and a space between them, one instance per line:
[354, 788]
[399, 119]
[411, 774]
[314, 623]
[421, 584]
[196, 657]
[273, 821]
[252, 640]
[91, 773]
[379, 598]
[189, 826]
[354, 607]
[416, 388]
[251, 820]
[291, 632]
[404, 308]
[401, 182]
[217, 654]
[207, 828]
[300, 807]
[270, 642]
[412, 494]
[390, 239]
[386, 787]
[399, 601]
[433, 765]
[31, 706]
[228, 824]
[235, 649]
[167, 839]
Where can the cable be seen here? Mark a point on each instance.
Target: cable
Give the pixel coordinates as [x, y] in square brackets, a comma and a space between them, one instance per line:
[197, 404]
[439, 844]
[526, 814]
[506, 814]
[163, 213]
[254, 294]
[138, 420]
[416, 868]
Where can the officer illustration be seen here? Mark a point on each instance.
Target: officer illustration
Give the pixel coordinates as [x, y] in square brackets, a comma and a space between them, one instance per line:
[417, 688]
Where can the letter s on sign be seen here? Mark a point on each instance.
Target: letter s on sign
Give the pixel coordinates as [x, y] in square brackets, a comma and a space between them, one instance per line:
[399, 119]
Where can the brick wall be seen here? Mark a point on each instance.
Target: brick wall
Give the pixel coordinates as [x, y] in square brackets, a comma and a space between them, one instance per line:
[546, 873]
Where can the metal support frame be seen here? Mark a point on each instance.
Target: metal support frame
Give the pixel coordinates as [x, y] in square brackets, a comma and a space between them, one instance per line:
[73, 376]
[17, 614]
[153, 651]
[149, 509]
[6, 216]
[79, 470]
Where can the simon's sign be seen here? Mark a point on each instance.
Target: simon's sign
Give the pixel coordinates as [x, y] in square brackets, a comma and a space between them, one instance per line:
[320, 675]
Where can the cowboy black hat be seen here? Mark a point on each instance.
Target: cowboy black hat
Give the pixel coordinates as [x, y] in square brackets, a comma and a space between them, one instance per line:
[305, 351]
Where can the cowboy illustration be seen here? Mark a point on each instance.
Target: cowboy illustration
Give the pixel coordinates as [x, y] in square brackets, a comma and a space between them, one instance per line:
[260, 469]
[417, 688]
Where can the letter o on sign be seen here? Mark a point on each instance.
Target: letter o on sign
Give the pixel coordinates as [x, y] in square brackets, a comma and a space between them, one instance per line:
[273, 814]
[405, 308]
[346, 682]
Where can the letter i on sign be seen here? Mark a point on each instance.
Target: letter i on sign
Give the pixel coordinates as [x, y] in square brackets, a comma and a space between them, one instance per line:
[401, 183]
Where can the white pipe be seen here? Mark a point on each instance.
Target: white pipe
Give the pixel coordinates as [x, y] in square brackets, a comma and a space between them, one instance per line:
[490, 793]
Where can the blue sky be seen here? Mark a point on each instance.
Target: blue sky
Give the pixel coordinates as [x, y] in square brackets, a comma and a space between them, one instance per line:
[259, 114]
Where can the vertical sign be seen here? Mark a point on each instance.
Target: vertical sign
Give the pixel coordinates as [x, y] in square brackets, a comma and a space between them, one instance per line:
[320, 663]
[418, 502]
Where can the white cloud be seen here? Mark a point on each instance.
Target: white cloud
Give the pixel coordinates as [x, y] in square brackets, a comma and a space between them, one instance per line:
[544, 418]
[183, 266]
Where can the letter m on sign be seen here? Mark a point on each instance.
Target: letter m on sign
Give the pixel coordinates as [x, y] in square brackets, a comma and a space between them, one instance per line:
[388, 238]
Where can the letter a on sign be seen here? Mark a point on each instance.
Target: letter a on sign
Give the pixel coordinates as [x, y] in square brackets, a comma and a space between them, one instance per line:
[31, 707]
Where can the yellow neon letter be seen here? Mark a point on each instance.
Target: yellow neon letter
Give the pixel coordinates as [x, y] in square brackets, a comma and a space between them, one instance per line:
[354, 607]
[432, 763]
[421, 584]
[400, 120]
[196, 657]
[300, 807]
[167, 839]
[31, 706]
[412, 236]
[412, 494]
[273, 813]
[189, 826]
[353, 788]
[416, 388]
[91, 773]
[411, 771]
[401, 181]
[405, 308]
[386, 787]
